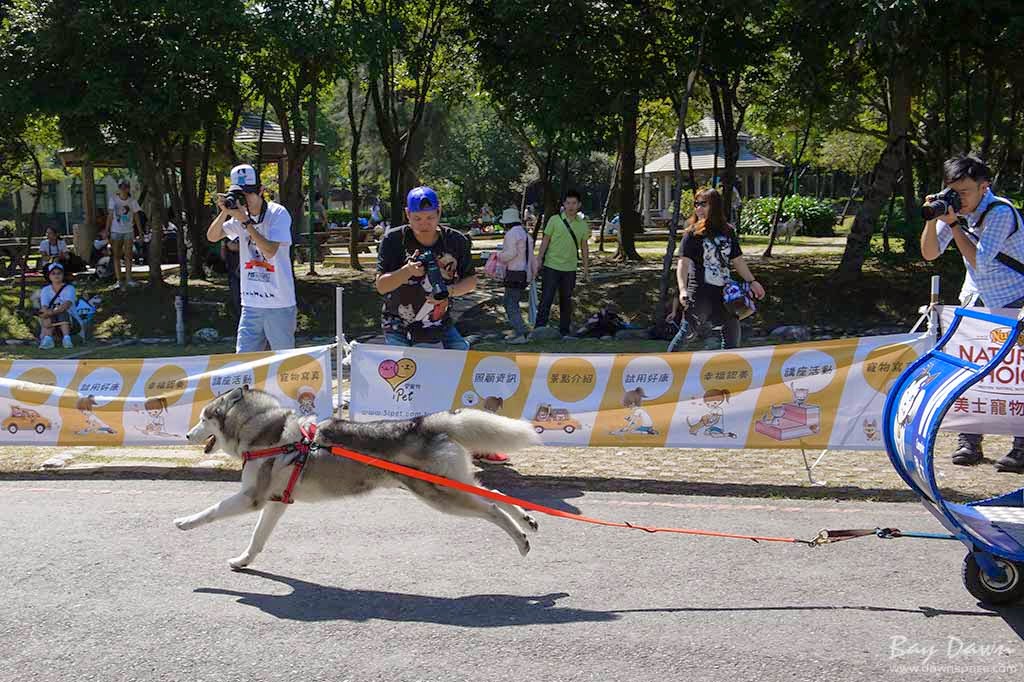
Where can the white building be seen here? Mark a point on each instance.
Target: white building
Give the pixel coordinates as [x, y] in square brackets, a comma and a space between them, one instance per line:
[753, 171]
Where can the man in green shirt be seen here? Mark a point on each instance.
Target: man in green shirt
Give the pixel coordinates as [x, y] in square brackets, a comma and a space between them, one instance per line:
[563, 248]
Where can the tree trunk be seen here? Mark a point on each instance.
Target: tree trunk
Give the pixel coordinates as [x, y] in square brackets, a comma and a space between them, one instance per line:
[773, 231]
[608, 200]
[884, 177]
[87, 231]
[200, 214]
[989, 113]
[885, 224]
[153, 177]
[909, 198]
[37, 195]
[629, 219]
[357, 132]
[677, 175]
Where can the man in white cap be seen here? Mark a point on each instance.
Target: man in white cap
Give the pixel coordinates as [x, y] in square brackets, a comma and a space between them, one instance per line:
[263, 231]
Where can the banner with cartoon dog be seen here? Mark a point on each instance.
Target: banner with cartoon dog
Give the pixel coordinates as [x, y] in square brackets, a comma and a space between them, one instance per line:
[147, 402]
[814, 395]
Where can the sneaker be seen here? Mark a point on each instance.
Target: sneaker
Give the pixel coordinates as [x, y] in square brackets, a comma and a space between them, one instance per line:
[118, 285]
[67, 342]
[47, 342]
[131, 282]
[1013, 461]
[518, 340]
[491, 458]
[969, 451]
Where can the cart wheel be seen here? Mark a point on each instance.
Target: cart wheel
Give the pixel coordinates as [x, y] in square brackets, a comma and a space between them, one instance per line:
[569, 428]
[40, 428]
[13, 428]
[538, 429]
[1005, 591]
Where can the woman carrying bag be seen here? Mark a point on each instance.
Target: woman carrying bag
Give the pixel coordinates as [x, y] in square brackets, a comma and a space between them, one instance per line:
[515, 256]
[708, 254]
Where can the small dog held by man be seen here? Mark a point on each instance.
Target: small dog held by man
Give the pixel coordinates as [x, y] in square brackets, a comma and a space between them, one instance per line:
[252, 421]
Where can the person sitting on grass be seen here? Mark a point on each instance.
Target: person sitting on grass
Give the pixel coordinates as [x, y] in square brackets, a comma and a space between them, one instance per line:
[55, 302]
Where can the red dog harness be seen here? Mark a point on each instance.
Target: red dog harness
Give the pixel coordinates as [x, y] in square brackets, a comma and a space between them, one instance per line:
[303, 447]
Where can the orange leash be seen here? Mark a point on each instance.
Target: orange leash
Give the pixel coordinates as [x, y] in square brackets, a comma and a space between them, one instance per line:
[499, 497]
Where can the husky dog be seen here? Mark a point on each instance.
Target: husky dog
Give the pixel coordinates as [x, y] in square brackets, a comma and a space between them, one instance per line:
[789, 228]
[245, 420]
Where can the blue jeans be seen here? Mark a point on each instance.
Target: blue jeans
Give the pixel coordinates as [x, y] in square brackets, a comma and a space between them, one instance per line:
[451, 339]
[260, 327]
[513, 295]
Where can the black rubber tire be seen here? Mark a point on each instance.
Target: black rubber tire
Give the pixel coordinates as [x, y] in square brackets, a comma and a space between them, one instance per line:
[984, 589]
[12, 429]
[538, 429]
[40, 428]
[569, 429]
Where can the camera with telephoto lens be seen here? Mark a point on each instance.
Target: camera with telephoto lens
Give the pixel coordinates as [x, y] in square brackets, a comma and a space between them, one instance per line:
[233, 199]
[941, 204]
[439, 290]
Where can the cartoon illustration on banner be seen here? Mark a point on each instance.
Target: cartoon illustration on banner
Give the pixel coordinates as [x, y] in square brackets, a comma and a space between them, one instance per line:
[301, 378]
[640, 400]
[565, 399]
[718, 398]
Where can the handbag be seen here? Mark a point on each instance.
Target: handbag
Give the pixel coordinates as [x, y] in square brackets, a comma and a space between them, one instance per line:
[494, 267]
[737, 299]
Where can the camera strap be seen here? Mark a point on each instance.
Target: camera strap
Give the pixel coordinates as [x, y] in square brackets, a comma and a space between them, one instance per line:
[1006, 259]
[263, 211]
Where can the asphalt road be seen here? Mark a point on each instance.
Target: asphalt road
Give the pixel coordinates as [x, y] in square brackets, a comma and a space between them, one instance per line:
[97, 584]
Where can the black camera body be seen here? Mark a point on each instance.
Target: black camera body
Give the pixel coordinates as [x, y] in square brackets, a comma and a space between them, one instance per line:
[439, 290]
[941, 204]
[233, 199]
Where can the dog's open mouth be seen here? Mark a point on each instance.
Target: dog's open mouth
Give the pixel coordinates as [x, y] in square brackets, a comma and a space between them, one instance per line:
[211, 443]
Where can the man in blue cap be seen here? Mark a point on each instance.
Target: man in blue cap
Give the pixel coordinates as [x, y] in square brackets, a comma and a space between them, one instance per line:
[420, 266]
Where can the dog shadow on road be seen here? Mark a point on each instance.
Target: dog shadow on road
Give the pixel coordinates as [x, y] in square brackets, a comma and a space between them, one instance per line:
[312, 602]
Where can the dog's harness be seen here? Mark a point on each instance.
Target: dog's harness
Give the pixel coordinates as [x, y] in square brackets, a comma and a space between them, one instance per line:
[303, 447]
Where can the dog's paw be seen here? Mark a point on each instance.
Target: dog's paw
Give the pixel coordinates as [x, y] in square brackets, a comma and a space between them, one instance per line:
[524, 546]
[184, 523]
[239, 562]
[531, 522]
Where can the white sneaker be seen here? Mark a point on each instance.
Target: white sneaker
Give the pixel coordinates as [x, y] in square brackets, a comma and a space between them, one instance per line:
[47, 342]
[118, 285]
[67, 342]
[518, 340]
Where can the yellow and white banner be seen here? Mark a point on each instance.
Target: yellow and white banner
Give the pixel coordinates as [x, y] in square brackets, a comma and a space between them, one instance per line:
[147, 402]
[812, 395]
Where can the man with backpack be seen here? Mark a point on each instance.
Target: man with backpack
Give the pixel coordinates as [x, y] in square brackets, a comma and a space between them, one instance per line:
[562, 250]
[988, 233]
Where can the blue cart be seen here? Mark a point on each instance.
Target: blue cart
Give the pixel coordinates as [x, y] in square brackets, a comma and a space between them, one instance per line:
[992, 529]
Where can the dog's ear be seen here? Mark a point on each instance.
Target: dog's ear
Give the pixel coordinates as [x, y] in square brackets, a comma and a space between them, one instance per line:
[234, 396]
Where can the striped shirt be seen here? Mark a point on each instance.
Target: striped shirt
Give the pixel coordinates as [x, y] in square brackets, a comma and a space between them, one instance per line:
[1000, 232]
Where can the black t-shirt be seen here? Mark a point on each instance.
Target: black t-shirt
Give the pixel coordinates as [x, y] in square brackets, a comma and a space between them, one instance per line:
[711, 257]
[405, 309]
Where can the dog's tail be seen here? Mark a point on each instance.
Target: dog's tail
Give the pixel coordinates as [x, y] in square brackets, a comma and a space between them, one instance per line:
[480, 431]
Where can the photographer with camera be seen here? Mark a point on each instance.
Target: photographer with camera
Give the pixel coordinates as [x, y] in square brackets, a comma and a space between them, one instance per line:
[987, 232]
[263, 231]
[420, 267]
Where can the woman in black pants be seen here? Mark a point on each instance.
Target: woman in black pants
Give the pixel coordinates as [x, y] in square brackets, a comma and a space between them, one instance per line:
[707, 253]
